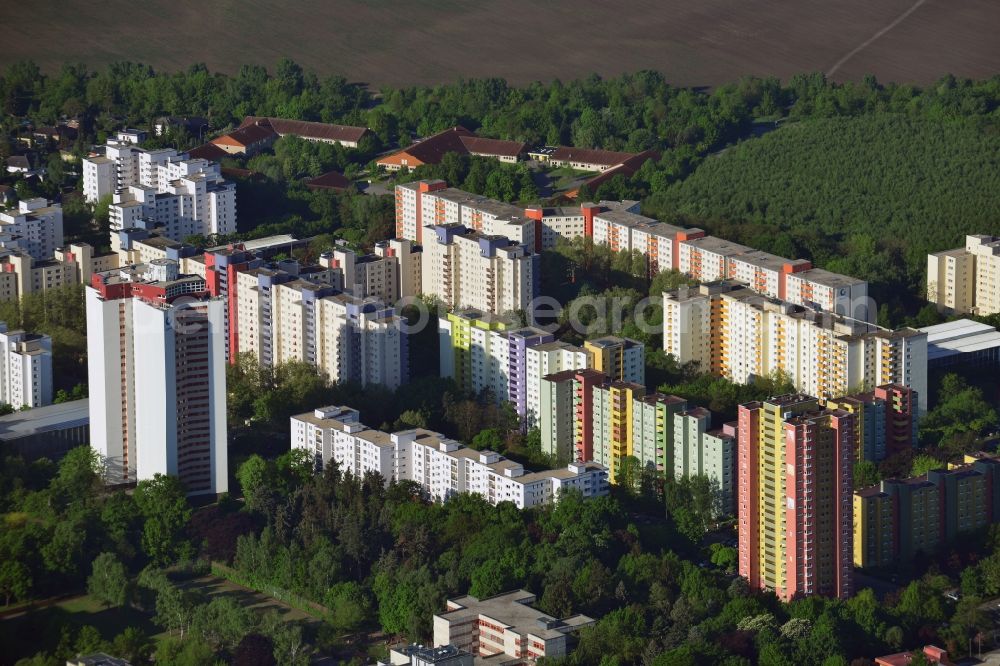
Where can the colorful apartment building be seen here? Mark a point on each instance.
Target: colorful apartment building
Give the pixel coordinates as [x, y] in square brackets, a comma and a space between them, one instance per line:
[700, 450]
[886, 420]
[900, 518]
[794, 474]
[733, 332]
[966, 279]
[704, 258]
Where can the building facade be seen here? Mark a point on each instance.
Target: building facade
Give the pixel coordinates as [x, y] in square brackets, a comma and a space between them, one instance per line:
[734, 332]
[36, 227]
[794, 477]
[966, 280]
[505, 627]
[156, 362]
[25, 369]
[900, 518]
[441, 466]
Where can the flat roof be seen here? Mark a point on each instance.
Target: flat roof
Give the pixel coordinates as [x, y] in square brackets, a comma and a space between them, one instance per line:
[512, 609]
[45, 419]
[963, 336]
[827, 278]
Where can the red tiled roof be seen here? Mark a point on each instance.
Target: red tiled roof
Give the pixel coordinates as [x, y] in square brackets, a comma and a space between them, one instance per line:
[329, 180]
[207, 151]
[478, 145]
[433, 148]
[309, 130]
[604, 158]
[626, 168]
[247, 135]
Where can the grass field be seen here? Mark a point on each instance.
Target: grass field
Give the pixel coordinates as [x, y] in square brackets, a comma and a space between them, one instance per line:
[24, 635]
[401, 42]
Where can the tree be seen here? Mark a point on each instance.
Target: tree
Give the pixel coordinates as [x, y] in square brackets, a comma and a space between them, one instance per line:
[256, 477]
[866, 474]
[222, 622]
[923, 464]
[15, 580]
[132, 645]
[164, 506]
[254, 650]
[108, 582]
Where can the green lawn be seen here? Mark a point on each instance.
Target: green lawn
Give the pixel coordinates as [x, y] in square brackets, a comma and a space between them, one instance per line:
[42, 628]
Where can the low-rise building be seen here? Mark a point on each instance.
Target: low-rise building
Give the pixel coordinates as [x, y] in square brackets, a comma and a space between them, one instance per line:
[345, 135]
[425, 655]
[47, 432]
[456, 139]
[963, 342]
[507, 626]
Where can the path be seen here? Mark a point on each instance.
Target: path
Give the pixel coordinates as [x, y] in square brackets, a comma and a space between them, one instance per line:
[899, 19]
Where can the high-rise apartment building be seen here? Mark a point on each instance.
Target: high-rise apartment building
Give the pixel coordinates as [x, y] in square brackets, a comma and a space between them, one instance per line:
[282, 317]
[794, 477]
[886, 420]
[36, 227]
[25, 369]
[966, 279]
[467, 269]
[427, 203]
[900, 518]
[734, 332]
[699, 450]
[156, 360]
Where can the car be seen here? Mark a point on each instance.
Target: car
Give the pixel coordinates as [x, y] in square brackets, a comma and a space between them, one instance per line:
[954, 595]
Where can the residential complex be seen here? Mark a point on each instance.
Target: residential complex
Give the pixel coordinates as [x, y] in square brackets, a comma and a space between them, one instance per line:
[428, 203]
[25, 369]
[967, 279]
[734, 332]
[21, 274]
[36, 227]
[505, 626]
[482, 351]
[586, 416]
[900, 518]
[156, 360]
[183, 196]
[886, 420]
[441, 466]
[795, 465]
[464, 268]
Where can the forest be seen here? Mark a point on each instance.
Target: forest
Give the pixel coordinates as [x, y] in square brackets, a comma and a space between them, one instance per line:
[840, 173]
[363, 556]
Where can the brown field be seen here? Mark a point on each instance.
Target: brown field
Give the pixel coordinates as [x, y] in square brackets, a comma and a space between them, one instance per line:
[400, 42]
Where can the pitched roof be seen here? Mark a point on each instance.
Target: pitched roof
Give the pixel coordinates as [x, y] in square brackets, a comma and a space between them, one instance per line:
[19, 162]
[627, 168]
[433, 148]
[604, 158]
[207, 151]
[478, 145]
[247, 135]
[329, 180]
[309, 130]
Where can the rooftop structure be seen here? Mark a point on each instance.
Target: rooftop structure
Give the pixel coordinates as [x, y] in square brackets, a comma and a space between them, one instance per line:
[962, 341]
[505, 624]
